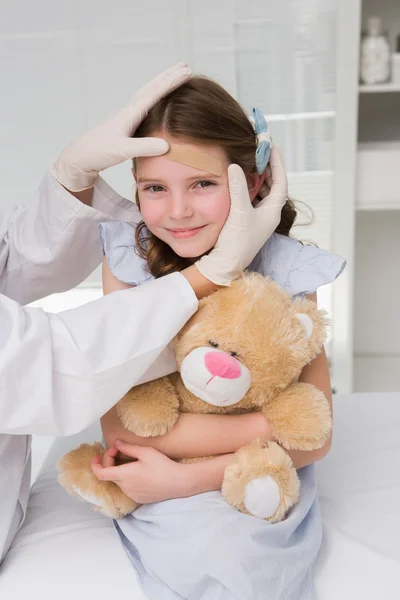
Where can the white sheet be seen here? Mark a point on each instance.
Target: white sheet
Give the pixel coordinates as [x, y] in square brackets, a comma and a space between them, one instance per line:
[359, 485]
[65, 550]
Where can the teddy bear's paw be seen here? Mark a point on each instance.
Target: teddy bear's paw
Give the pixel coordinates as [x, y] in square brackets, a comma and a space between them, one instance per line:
[262, 481]
[148, 429]
[262, 497]
[147, 423]
[88, 497]
[78, 479]
[150, 409]
[105, 496]
[114, 505]
[300, 418]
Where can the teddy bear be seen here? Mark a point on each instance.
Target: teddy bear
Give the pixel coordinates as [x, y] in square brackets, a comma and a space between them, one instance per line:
[242, 351]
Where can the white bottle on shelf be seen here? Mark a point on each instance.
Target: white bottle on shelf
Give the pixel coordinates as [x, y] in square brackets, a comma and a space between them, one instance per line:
[375, 54]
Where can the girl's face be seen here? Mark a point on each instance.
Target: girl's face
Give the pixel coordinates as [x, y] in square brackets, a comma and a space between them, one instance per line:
[182, 205]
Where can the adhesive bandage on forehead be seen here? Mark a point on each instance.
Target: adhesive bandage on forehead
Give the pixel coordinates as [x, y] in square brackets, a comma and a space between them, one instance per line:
[192, 157]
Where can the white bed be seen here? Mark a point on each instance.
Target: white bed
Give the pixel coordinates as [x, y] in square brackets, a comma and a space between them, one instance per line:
[65, 550]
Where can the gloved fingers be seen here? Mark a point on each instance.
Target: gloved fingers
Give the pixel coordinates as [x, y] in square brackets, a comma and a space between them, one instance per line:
[239, 192]
[133, 114]
[128, 148]
[278, 171]
[277, 182]
[162, 81]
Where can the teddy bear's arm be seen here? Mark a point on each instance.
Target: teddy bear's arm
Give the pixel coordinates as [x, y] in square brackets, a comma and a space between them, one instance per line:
[300, 417]
[150, 409]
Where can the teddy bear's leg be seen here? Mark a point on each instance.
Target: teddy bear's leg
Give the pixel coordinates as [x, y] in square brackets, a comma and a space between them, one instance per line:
[150, 409]
[77, 478]
[300, 417]
[261, 481]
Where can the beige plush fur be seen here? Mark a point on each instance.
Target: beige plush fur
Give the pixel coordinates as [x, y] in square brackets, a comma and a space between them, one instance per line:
[255, 321]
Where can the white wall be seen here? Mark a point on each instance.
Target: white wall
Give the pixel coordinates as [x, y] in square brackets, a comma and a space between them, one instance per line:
[377, 298]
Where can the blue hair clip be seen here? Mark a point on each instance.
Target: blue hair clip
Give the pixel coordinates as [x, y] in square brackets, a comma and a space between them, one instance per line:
[263, 151]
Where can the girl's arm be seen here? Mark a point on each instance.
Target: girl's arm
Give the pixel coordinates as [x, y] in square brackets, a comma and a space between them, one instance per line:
[201, 285]
[193, 434]
[110, 282]
[316, 373]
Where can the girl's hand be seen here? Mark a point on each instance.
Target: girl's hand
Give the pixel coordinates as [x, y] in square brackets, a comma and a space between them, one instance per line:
[153, 477]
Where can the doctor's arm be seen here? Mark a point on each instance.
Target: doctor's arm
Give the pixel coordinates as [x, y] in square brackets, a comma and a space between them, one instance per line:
[60, 372]
[51, 244]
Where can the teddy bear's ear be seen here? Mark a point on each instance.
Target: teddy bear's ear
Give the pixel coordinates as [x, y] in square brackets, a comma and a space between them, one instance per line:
[314, 323]
[307, 323]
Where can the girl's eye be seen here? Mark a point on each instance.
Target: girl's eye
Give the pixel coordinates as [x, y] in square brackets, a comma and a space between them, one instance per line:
[154, 188]
[205, 183]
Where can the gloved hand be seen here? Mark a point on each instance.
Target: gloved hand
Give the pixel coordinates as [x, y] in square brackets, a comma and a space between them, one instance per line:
[110, 143]
[247, 228]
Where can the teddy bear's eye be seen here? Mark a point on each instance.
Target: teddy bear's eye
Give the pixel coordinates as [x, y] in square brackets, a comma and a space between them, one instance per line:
[213, 344]
[234, 354]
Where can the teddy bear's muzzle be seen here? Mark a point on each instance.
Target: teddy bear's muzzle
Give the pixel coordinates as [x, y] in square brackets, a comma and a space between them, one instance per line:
[215, 376]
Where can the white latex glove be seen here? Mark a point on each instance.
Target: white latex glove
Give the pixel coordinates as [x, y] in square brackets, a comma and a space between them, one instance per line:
[247, 228]
[111, 143]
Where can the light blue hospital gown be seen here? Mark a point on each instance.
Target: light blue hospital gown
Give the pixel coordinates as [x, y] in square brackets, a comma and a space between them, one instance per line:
[200, 548]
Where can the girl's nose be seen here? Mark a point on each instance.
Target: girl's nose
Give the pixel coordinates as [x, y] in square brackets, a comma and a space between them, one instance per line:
[220, 364]
[180, 207]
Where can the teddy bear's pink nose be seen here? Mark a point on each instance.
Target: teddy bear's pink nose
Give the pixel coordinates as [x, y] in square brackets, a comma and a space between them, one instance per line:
[222, 365]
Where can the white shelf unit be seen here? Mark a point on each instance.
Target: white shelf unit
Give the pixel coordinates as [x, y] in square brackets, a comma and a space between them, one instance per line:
[376, 314]
[379, 88]
[378, 207]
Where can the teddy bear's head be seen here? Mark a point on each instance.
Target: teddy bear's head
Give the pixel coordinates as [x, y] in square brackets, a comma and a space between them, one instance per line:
[247, 343]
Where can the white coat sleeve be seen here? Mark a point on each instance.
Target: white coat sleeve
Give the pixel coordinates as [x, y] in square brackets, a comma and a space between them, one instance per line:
[60, 372]
[52, 244]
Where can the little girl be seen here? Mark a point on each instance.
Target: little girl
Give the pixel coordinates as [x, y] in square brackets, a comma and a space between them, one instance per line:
[194, 545]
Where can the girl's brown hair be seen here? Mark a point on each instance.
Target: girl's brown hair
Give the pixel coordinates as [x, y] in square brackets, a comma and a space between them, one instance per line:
[200, 110]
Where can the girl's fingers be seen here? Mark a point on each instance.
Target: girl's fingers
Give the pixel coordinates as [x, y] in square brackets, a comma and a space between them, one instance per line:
[96, 460]
[109, 457]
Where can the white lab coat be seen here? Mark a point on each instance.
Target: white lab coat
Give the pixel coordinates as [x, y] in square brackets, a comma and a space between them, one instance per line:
[59, 373]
